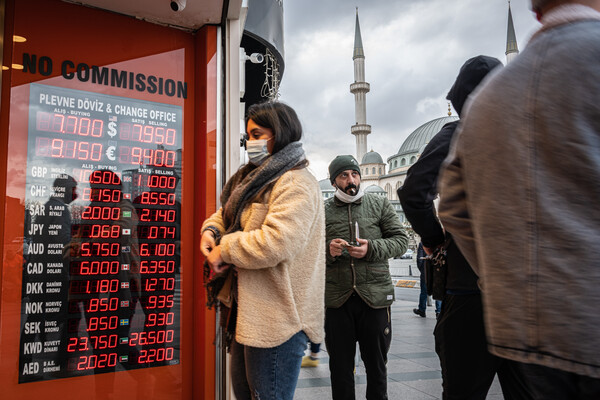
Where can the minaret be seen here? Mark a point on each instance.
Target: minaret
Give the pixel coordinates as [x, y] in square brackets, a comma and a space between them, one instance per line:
[359, 88]
[511, 39]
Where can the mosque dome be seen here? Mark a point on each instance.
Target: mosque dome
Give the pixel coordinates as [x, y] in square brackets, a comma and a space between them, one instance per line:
[376, 190]
[417, 140]
[327, 191]
[325, 186]
[372, 157]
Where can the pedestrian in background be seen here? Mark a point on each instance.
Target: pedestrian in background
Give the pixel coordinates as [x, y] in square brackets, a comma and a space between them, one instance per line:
[421, 311]
[269, 234]
[363, 232]
[519, 194]
[312, 359]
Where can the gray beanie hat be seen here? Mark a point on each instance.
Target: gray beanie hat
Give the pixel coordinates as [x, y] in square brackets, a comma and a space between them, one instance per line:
[342, 163]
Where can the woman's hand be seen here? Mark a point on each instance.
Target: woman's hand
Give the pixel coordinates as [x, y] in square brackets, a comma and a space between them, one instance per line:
[207, 243]
[216, 261]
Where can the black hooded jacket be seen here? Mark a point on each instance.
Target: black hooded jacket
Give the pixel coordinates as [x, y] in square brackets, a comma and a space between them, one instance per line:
[420, 187]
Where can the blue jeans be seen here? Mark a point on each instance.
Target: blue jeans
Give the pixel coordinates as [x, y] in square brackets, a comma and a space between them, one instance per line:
[423, 295]
[267, 374]
[315, 347]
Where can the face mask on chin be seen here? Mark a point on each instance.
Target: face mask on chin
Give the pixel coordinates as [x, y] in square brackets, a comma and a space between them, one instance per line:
[257, 151]
[346, 198]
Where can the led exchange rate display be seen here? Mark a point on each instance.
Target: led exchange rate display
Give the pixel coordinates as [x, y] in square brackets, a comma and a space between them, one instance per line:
[101, 273]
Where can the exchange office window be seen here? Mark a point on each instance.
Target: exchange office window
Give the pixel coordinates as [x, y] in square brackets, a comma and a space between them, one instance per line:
[102, 233]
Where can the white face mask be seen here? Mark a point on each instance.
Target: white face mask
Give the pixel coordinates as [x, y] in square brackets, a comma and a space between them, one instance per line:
[257, 151]
[346, 198]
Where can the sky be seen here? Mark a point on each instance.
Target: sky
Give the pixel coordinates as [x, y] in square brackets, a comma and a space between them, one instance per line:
[413, 52]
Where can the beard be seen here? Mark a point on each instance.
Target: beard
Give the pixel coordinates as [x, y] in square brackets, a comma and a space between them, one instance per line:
[351, 189]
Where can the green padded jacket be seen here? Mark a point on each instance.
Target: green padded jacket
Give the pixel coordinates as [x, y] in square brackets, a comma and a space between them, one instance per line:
[369, 276]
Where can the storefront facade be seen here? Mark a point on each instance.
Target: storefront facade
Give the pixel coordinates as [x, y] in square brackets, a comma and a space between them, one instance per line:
[116, 133]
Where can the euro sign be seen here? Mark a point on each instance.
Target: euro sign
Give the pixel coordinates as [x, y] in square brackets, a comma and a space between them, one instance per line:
[110, 153]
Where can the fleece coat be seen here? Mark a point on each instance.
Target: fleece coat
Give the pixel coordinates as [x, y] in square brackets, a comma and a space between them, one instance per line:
[280, 258]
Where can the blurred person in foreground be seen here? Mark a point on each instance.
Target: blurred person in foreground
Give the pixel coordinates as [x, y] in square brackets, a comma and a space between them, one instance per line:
[468, 369]
[363, 232]
[269, 236]
[519, 194]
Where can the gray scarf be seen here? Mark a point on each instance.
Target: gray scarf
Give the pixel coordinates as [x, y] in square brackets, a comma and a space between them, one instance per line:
[238, 192]
[250, 180]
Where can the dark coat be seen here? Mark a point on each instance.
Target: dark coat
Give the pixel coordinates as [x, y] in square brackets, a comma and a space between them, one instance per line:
[420, 187]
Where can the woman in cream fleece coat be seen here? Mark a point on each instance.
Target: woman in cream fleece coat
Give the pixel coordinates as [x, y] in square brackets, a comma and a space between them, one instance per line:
[270, 232]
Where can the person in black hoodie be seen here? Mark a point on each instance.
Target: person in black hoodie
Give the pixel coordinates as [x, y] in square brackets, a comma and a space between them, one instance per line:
[468, 369]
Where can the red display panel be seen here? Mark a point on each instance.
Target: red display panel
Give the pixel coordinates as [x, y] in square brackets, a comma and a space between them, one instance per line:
[101, 279]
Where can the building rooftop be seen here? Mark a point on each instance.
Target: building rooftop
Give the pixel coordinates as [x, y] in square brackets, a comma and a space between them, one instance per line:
[325, 186]
[372, 157]
[423, 134]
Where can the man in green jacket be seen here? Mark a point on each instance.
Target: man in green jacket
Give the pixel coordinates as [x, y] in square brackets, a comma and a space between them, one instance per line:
[363, 232]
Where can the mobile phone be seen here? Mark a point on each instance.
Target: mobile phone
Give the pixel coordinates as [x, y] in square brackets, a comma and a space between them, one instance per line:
[356, 235]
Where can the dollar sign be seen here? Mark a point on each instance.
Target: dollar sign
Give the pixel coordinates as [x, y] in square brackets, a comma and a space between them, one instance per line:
[112, 131]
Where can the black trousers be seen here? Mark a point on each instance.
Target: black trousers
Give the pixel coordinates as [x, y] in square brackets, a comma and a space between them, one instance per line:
[550, 383]
[468, 369]
[355, 322]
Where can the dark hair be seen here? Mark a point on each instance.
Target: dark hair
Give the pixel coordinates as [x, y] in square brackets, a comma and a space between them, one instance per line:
[280, 118]
[66, 181]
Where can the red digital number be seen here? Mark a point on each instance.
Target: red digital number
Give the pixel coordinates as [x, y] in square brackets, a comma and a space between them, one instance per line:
[151, 337]
[97, 361]
[147, 134]
[96, 231]
[101, 195]
[98, 343]
[98, 268]
[71, 149]
[157, 232]
[154, 284]
[157, 267]
[160, 319]
[157, 249]
[158, 198]
[70, 125]
[105, 177]
[161, 301]
[155, 355]
[102, 323]
[102, 305]
[89, 249]
[98, 286]
[77, 344]
[82, 175]
[104, 286]
[161, 181]
[101, 212]
[157, 181]
[159, 215]
[104, 341]
[150, 157]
